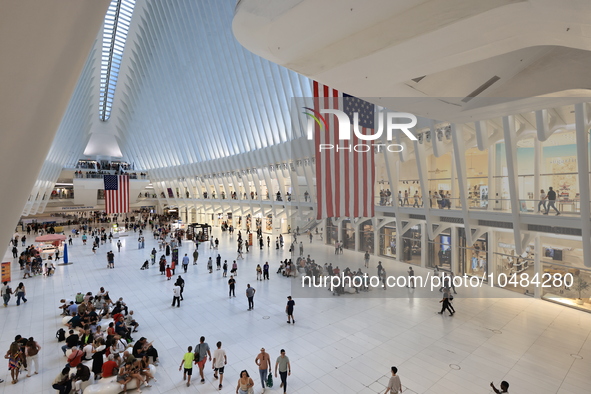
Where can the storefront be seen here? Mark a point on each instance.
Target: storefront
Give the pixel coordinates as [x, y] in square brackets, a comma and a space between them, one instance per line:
[332, 232]
[473, 260]
[508, 262]
[388, 241]
[565, 279]
[440, 251]
[348, 235]
[366, 237]
[411, 246]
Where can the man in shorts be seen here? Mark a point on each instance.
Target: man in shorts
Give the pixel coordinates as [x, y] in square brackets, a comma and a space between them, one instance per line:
[201, 353]
[187, 363]
[219, 362]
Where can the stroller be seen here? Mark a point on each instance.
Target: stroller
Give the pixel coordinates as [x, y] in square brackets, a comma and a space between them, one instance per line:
[146, 265]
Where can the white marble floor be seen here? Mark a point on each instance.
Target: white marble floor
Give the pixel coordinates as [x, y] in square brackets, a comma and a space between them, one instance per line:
[338, 345]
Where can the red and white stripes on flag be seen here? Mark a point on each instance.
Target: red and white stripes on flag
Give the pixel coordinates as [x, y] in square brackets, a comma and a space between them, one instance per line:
[116, 193]
[344, 180]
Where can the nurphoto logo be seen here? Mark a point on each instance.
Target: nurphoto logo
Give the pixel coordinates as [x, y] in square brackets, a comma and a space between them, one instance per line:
[390, 119]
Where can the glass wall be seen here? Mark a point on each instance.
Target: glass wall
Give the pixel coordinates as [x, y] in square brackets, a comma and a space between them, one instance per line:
[409, 188]
[565, 279]
[331, 232]
[473, 260]
[477, 178]
[559, 170]
[348, 235]
[366, 237]
[439, 175]
[508, 262]
[440, 251]
[388, 241]
[411, 246]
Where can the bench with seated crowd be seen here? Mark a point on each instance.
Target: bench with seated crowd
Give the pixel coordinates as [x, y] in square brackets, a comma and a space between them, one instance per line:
[99, 342]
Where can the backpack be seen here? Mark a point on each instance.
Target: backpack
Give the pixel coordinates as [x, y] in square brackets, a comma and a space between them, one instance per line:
[60, 335]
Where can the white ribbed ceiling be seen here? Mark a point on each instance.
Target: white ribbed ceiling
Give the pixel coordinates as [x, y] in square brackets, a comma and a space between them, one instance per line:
[189, 92]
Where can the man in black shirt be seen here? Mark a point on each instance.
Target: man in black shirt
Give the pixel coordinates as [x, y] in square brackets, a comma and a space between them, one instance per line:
[232, 284]
[71, 341]
[551, 201]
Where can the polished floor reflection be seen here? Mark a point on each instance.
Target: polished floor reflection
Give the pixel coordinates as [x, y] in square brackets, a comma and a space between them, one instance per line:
[340, 344]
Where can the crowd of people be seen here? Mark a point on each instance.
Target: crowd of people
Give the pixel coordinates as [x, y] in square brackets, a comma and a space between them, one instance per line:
[110, 352]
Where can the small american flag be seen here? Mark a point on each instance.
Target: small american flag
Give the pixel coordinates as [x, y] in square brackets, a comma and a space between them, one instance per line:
[116, 193]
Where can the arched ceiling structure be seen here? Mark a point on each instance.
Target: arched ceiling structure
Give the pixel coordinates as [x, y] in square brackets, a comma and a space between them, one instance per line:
[458, 49]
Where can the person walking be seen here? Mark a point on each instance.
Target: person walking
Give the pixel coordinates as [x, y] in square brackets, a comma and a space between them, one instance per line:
[266, 270]
[110, 259]
[168, 272]
[232, 285]
[219, 362]
[218, 262]
[504, 387]
[181, 282]
[284, 367]
[301, 248]
[201, 353]
[263, 361]
[195, 256]
[542, 202]
[210, 265]
[366, 259]
[118, 244]
[446, 303]
[411, 278]
[185, 262]
[176, 290]
[5, 291]
[551, 201]
[225, 269]
[245, 383]
[31, 351]
[21, 292]
[250, 295]
[187, 364]
[259, 272]
[394, 386]
[289, 310]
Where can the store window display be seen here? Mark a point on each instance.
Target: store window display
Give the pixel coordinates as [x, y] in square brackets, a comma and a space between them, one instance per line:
[509, 263]
[440, 251]
[477, 178]
[348, 236]
[366, 237]
[388, 241]
[411, 246]
[473, 260]
[562, 262]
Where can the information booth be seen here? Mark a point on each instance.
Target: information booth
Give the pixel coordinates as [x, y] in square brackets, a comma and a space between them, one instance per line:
[199, 232]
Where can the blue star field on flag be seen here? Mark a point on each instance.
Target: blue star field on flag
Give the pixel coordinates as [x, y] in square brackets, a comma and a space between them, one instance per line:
[365, 110]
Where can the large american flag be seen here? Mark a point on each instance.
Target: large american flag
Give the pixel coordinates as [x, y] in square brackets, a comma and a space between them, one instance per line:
[344, 180]
[116, 193]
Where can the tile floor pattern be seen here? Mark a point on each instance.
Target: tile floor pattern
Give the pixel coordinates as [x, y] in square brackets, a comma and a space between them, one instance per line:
[338, 345]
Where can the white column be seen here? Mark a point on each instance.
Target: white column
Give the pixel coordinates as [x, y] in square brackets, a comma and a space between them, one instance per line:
[583, 167]
[537, 264]
[511, 153]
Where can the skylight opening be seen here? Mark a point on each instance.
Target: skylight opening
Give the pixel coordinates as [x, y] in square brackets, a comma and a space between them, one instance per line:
[116, 27]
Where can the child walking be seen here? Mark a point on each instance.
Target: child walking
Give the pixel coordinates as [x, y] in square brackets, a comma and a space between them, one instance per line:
[168, 272]
[187, 362]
